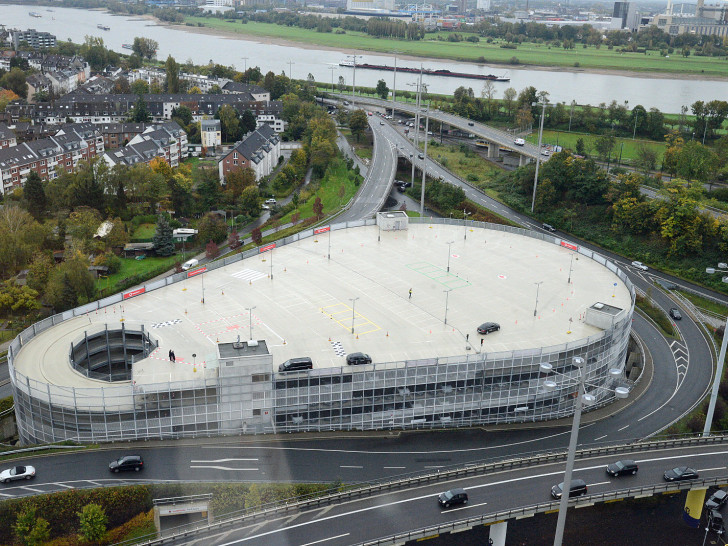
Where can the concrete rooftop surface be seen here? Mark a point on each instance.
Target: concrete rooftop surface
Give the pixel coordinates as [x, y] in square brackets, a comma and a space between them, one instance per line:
[311, 304]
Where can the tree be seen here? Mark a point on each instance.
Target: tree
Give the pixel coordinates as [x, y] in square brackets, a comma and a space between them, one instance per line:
[31, 530]
[15, 298]
[604, 144]
[382, 89]
[249, 201]
[646, 159]
[139, 87]
[509, 95]
[318, 207]
[140, 113]
[237, 180]
[358, 123]
[121, 85]
[70, 284]
[212, 250]
[93, 521]
[696, 162]
[34, 194]
[230, 122]
[257, 236]
[488, 94]
[212, 228]
[171, 83]
[20, 237]
[39, 270]
[183, 115]
[580, 148]
[145, 47]
[248, 123]
[15, 81]
[163, 242]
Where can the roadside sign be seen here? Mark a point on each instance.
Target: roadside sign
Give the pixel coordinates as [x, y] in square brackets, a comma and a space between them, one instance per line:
[321, 230]
[569, 245]
[196, 271]
[267, 247]
[133, 293]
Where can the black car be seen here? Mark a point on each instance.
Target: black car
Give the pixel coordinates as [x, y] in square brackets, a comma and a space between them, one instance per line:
[675, 313]
[488, 327]
[452, 497]
[622, 468]
[354, 359]
[548, 227]
[715, 522]
[577, 489]
[127, 462]
[470, 123]
[681, 473]
[716, 500]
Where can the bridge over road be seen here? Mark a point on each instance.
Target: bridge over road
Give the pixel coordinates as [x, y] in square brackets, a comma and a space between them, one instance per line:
[495, 138]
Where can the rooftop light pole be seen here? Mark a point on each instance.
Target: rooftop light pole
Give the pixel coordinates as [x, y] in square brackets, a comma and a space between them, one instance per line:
[721, 359]
[448, 254]
[538, 285]
[544, 103]
[353, 314]
[250, 320]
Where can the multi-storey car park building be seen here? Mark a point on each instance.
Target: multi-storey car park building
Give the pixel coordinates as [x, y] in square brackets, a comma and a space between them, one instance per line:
[103, 372]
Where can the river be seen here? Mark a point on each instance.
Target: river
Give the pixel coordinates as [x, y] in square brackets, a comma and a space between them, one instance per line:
[667, 94]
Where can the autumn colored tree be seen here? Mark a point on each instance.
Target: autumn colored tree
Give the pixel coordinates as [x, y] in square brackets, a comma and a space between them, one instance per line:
[212, 250]
[257, 236]
[318, 207]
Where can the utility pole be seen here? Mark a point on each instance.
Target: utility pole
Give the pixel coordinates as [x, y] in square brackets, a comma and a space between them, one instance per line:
[538, 152]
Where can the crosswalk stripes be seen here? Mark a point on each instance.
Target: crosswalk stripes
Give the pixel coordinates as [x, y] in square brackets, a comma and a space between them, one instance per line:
[338, 348]
[250, 275]
[166, 323]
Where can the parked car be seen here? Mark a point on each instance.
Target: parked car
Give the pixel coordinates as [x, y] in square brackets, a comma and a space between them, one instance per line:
[354, 359]
[639, 265]
[622, 468]
[548, 227]
[675, 313]
[680, 473]
[715, 522]
[488, 327]
[271, 201]
[265, 207]
[578, 488]
[127, 462]
[452, 497]
[519, 142]
[17, 473]
[716, 500]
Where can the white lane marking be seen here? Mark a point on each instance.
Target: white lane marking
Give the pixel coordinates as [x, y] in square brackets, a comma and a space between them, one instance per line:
[347, 514]
[463, 508]
[6, 495]
[621, 429]
[221, 460]
[64, 485]
[97, 484]
[437, 466]
[220, 467]
[710, 469]
[325, 539]
[394, 467]
[32, 489]
[600, 438]
[347, 466]
[599, 483]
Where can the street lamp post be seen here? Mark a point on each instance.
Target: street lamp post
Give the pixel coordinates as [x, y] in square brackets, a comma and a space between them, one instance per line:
[332, 68]
[719, 368]
[447, 294]
[250, 320]
[424, 164]
[353, 79]
[465, 223]
[448, 254]
[581, 399]
[353, 315]
[290, 70]
[571, 267]
[538, 285]
[245, 65]
[544, 103]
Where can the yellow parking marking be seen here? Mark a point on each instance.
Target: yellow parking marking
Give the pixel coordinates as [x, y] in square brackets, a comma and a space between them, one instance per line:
[343, 315]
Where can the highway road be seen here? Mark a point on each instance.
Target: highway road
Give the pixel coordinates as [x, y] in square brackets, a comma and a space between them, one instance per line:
[400, 511]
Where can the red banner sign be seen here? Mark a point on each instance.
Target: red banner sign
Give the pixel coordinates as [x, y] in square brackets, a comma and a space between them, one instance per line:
[196, 272]
[569, 245]
[267, 247]
[321, 230]
[133, 293]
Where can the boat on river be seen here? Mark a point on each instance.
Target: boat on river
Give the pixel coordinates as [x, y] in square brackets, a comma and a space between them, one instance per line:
[34, 14]
[127, 46]
[426, 71]
[103, 27]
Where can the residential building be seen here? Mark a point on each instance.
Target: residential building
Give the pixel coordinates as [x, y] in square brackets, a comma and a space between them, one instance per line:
[210, 133]
[255, 91]
[35, 39]
[7, 137]
[117, 135]
[72, 144]
[38, 83]
[167, 141]
[259, 150]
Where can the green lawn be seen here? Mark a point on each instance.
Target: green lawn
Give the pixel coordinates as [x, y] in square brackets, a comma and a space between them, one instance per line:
[468, 165]
[131, 267]
[144, 231]
[529, 54]
[627, 146]
[329, 194]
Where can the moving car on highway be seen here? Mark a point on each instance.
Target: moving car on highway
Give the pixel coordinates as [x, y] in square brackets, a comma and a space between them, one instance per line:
[622, 468]
[681, 473]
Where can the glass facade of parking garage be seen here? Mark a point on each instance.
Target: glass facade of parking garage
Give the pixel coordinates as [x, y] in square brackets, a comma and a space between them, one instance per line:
[462, 390]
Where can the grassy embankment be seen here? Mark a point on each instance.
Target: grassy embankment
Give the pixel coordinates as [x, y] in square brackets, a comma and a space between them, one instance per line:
[627, 145]
[528, 54]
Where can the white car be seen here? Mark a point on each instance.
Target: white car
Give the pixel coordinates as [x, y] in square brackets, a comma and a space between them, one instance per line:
[519, 142]
[17, 473]
[265, 207]
[639, 265]
[270, 201]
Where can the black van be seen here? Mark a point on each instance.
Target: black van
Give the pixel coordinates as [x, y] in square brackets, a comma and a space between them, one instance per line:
[578, 488]
[295, 364]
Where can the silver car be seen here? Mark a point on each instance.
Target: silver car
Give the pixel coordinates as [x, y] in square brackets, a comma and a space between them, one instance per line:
[17, 473]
